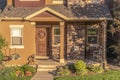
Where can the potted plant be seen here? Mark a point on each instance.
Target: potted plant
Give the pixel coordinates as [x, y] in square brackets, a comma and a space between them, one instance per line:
[28, 70]
[17, 71]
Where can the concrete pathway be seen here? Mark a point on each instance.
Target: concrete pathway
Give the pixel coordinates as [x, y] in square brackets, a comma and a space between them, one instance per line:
[114, 67]
[42, 76]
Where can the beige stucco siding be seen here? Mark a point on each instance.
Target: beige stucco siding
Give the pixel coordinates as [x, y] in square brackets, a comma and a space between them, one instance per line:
[28, 40]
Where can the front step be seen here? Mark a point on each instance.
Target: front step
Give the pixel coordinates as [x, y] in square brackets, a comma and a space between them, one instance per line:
[42, 57]
[46, 67]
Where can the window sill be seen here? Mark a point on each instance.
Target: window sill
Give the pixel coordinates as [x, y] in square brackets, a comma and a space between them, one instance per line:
[17, 46]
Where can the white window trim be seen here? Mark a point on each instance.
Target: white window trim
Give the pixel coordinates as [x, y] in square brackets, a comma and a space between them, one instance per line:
[55, 27]
[16, 46]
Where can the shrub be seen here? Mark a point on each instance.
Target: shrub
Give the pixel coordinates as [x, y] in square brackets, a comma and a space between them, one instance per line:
[1, 55]
[63, 71]
[95, 69]
[3, 44]
[80, 67]
[71, 67]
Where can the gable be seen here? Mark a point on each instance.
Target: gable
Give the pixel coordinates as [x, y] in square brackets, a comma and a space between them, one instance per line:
[46, 16]
[50, 12]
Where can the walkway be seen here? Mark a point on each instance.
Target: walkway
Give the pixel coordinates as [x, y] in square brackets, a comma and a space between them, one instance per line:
[114, 67]
[43, 69]
[43, 76]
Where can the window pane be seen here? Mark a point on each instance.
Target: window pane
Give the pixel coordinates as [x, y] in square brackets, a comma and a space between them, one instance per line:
[16, 32]
[92, 39]
[56, 39]
[92, 31]
[16, 40]
[56, 31]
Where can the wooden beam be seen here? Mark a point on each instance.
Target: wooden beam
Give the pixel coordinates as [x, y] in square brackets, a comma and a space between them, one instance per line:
[62, 29]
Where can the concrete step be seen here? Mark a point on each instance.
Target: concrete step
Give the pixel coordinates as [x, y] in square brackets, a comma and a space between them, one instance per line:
[46, 70]
[42, 57]
[46, 67]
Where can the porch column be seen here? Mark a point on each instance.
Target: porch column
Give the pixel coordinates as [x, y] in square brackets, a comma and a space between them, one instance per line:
[62, 26]
[104, 33]
[34, 29]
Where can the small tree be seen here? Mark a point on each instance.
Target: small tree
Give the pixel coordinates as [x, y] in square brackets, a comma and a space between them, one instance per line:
[3, 44]
[114, 29]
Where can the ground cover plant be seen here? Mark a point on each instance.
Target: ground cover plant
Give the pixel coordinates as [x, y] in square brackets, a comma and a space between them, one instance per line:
[108, 75]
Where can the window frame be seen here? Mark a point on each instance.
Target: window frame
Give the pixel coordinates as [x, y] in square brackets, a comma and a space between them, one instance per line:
[56, 27]
[13, 27]
[93, 35]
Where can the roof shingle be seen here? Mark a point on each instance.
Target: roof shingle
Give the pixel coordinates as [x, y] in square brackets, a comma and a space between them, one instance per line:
[76, 11]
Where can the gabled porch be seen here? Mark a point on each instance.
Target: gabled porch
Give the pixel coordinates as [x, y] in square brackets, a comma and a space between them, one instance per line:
[61, 38]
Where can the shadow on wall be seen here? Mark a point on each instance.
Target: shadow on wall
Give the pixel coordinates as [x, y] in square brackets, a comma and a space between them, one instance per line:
[3, 4]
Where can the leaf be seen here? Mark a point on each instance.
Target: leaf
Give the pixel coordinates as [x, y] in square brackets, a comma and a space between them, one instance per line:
[116, 48]
[112, 30]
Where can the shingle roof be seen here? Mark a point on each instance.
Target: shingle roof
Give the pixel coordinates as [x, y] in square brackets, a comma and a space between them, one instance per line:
[88, 11]
[21, 12]
[76, 11]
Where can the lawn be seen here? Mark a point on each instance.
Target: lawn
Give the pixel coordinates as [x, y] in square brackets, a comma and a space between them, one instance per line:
[108, 75]
[14, 78]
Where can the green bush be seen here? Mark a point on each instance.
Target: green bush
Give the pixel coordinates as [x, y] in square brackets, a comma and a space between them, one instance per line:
[95, 69]
[63, 71]
[80, 67]
[71, 67]
[1, 55]
[3, 44]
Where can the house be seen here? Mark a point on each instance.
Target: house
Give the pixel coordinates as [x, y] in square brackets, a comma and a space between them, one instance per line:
[56, 29]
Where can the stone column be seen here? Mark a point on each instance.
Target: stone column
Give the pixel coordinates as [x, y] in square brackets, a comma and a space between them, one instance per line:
[62, 27]
[104, 52]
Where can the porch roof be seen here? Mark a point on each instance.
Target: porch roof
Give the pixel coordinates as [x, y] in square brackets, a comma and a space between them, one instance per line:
[75, 12]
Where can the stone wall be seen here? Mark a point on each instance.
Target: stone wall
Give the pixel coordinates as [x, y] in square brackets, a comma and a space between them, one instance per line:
[75, 42]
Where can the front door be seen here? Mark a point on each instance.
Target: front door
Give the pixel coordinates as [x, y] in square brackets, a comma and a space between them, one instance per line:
[41, 41]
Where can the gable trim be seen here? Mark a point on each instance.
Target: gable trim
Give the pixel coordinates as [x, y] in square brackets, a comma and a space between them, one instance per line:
[46, 9]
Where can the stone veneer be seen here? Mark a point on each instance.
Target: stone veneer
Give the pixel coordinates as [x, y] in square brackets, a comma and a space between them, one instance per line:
[75, 41]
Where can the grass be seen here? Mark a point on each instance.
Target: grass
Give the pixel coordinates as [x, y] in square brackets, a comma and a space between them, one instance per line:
[108, 75]
[14, 78]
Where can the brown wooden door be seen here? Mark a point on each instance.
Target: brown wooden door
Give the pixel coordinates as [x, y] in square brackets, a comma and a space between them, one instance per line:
[41, 41]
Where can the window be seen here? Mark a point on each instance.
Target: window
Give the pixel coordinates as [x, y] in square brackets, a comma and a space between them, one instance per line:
[93, 36]
[56, 35]
[16, 36]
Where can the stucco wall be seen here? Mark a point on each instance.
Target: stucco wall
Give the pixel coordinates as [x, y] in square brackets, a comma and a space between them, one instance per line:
[28, 41]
